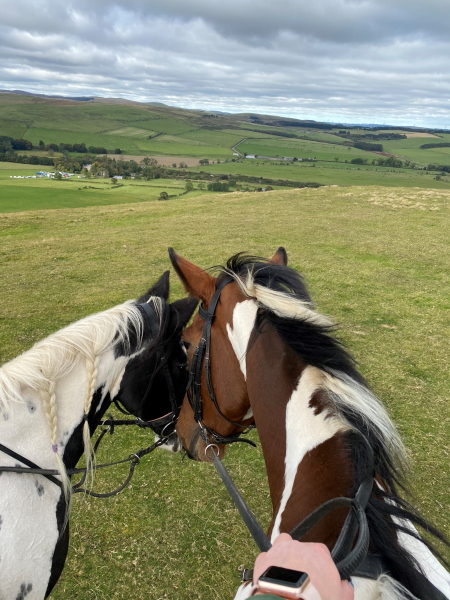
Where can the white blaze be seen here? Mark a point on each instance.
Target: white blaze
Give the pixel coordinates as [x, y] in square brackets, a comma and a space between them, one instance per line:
[244, 316]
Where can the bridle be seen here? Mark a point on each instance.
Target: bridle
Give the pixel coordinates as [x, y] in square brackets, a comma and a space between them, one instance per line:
[202, 355]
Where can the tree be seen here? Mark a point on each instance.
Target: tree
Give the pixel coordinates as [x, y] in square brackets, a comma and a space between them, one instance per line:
[163, 196]
[201, 185]
[117, 151]
[58, 175]
[174, 165]
[183, 165]
[41, 145]
[189, 186]
[113, 180]
[203, 161]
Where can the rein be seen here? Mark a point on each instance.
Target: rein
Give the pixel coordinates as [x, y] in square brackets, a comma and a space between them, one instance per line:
[134, 459]
[349, 555]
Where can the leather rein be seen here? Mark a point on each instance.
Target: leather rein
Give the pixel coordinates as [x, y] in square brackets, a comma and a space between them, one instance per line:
[351, 548]
[163, 427]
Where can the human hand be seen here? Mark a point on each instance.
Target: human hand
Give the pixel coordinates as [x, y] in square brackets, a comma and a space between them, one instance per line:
[314, 559]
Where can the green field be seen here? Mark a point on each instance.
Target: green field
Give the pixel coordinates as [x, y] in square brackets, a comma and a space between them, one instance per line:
[330, 173]
[19, 195]
[376, 259]
[198, 134]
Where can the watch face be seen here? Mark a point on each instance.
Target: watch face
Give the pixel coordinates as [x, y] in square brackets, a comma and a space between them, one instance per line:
[287, 577]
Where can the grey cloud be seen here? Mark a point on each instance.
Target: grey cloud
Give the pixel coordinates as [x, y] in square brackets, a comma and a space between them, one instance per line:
[335, 59]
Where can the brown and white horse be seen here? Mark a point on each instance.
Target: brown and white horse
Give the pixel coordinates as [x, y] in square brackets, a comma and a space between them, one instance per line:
[274, 360]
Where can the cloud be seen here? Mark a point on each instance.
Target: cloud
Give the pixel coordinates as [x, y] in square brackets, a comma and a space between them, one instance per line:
[349, 60]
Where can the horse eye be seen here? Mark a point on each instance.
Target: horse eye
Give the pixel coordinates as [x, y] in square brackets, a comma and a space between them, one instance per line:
[187, 345]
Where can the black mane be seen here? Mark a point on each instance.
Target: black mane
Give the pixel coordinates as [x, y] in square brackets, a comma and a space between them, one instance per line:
[316, 345]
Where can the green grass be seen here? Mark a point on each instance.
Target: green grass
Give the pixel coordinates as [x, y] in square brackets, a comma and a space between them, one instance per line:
[170, 126]
[330, 173]
[14, 129]
[376, 259]
[174, 146]
[132, 132]
[301, 149]
[110, 142]
[19, 195]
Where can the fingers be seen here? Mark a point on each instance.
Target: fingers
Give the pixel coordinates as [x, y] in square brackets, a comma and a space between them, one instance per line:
[283, 537]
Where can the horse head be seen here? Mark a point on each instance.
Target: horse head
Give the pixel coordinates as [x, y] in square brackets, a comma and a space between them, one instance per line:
[154, 381]
[228, 412]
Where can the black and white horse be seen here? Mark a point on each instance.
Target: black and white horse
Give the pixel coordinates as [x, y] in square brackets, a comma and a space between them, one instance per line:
[53, 396]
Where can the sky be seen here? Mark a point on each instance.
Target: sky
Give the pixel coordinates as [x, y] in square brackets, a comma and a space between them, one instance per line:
[347, 61]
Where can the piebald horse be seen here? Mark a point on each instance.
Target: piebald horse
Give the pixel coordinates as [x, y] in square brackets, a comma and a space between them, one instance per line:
[53, 396]
[273, 360]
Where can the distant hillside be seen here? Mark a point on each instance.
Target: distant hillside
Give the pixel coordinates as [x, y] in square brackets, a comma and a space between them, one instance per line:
[255, 145]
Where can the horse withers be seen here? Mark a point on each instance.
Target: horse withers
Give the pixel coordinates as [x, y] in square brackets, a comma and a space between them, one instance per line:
[53, 396]
[272, 359]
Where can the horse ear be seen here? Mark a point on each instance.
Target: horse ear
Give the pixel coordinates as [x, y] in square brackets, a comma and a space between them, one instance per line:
[185, 309]
[160, 288]
[280, 257]
[195, 280]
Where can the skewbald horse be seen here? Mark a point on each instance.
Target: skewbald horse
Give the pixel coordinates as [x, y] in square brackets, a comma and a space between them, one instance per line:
[52, 398]
[274, 360]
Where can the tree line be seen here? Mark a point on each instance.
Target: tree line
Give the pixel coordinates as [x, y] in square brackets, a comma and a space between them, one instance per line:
[9, 144]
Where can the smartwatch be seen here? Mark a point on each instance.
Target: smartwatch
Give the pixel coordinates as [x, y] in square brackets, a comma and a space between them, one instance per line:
[286, 583]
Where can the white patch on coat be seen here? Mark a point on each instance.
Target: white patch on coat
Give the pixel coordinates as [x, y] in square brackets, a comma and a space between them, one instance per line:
[304, 431]
[244, 316]
[244, 591]
[248, 414]
[432, 568]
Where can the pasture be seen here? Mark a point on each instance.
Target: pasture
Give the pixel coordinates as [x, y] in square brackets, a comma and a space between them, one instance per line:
[18, 195]
[193, 134]
[330, 173]
[376, 260]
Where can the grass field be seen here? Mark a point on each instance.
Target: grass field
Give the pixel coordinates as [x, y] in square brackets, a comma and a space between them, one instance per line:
[330, 173]
[18, 195]
[195, 134]
[376, 259]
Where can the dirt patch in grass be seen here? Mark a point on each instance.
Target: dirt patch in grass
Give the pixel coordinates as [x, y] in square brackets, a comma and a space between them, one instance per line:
[165, 161]
[421, 135]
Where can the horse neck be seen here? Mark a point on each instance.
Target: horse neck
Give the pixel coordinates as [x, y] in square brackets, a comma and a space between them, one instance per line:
[53, 414]
[303, 444]
[87, 389]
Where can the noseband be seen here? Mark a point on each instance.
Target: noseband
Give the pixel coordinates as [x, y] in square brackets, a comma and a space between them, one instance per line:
[202, 353]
